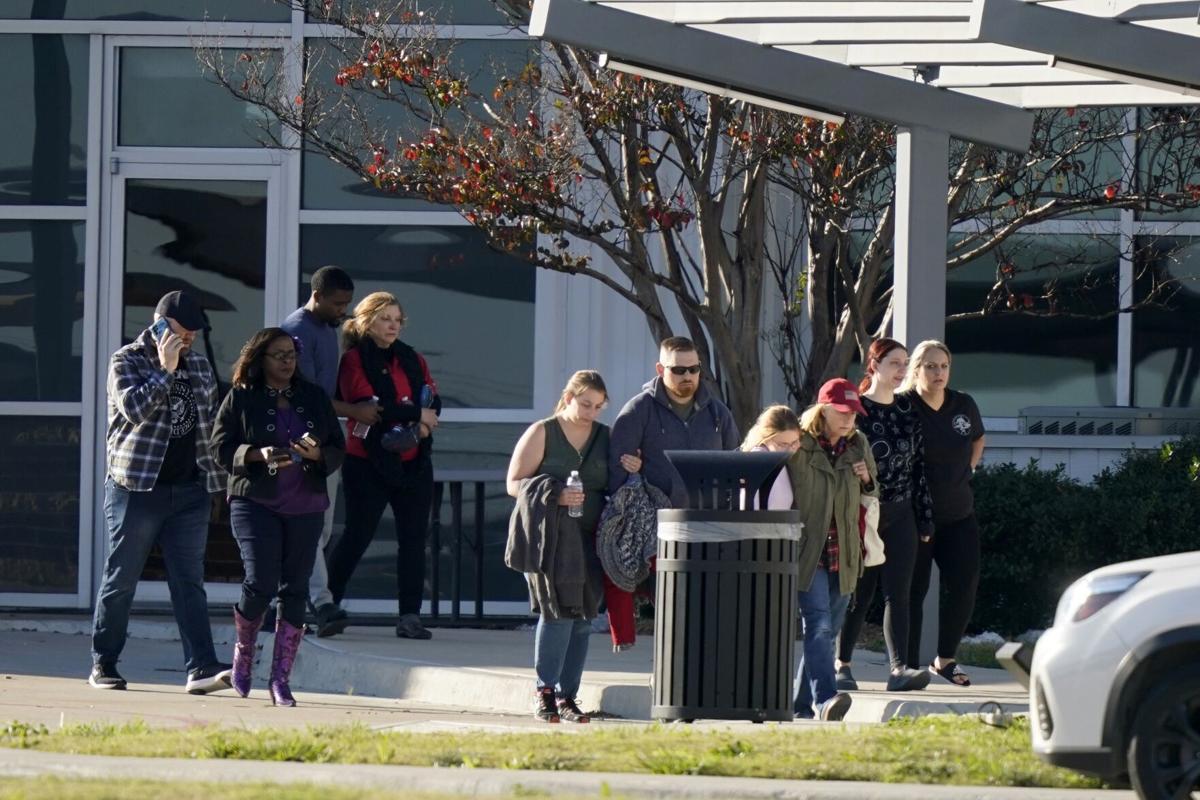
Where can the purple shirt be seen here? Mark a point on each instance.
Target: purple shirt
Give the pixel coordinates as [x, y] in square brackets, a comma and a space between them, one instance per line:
[293, 496]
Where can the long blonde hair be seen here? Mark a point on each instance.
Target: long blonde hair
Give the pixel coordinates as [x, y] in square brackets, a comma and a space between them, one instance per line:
[365, 314]
[773, 420]
[919, 355]
[579, 383]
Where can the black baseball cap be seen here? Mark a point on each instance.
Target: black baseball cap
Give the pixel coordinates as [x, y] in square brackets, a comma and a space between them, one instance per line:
[182, 307]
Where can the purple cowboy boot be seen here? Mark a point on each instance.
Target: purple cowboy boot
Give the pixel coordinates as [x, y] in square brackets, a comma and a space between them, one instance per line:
[243, 651]
[287, 642]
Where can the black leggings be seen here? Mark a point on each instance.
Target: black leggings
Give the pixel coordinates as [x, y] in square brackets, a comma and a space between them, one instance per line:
[367, 495]
[898, 529]
[955, 548]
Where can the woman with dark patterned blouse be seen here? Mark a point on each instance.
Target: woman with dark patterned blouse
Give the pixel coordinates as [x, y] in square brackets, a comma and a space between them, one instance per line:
[905, 515]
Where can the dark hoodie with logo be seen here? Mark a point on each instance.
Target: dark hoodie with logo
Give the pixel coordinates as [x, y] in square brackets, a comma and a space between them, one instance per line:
[649, 423]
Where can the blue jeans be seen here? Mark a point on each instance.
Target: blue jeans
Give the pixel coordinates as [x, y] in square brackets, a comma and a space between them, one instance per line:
[559, 650]
[278, 552]
[822, 612]
[175, 516]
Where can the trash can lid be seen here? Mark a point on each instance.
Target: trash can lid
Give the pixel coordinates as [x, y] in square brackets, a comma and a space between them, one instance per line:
[717, 478]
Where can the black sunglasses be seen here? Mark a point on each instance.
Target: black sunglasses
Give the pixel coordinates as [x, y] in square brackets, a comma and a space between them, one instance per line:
[692, 370]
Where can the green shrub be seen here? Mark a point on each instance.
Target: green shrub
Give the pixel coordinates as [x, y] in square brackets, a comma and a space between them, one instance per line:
[1031, 529]
[1041, 530]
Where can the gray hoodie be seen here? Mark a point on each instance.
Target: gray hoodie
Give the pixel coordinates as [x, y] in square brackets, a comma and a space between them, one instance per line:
[648, 423]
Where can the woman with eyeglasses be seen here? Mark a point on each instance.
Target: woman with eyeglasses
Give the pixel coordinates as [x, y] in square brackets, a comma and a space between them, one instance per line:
[391, 462]
[776, 430]
[954, 441]
[278, 437]
[572, 440]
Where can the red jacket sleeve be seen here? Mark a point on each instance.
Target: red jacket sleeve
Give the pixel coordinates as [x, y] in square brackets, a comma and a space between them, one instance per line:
[353, 385]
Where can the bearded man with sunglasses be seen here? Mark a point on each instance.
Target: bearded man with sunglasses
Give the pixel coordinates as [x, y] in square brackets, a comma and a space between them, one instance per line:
[674, 411]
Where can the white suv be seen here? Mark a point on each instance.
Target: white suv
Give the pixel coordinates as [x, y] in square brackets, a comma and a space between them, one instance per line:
[1114, 685]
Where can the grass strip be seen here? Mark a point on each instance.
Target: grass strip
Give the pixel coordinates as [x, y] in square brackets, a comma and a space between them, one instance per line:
[941, 750]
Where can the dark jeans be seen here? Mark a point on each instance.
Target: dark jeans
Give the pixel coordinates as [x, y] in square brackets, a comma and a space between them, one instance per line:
[367, 495]
[278, 552]
[175, 516]
[898, 529]
[955, 548]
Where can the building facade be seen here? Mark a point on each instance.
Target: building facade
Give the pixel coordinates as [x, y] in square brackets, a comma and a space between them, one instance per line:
[124, 173]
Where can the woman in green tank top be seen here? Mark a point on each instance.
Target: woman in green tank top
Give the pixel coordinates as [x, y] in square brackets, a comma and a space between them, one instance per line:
[571, 440]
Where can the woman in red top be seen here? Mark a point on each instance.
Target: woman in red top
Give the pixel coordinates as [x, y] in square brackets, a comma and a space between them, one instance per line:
[390, 463]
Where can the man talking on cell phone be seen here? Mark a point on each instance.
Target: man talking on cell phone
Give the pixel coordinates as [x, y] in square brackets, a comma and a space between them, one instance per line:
[162, 400]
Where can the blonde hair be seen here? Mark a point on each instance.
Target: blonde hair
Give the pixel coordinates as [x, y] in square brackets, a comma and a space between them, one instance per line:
[812, 421]
[918, 359]
[579, 383]
[365, 314]
[773, 420]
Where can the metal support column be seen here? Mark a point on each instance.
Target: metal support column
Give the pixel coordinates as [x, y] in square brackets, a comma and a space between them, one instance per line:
[919, 278]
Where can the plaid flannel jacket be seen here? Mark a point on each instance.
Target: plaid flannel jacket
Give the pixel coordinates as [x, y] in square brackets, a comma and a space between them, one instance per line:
[139, 415]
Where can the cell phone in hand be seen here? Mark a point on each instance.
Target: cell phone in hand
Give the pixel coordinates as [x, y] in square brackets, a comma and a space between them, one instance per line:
[160, 329]
[307, 439]
[279, 455]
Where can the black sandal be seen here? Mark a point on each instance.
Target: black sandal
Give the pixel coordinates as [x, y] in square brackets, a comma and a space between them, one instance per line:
[952, 673]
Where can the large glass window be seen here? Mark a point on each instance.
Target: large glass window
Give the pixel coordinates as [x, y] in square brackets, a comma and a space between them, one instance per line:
[1045, 336]
[1166, 330]
[157, 11]
[43, 160]
[166, 101]
[39, 504]
[470, 308]
[207, 236]
[41, 310]
[328, 185]
[1169, 159]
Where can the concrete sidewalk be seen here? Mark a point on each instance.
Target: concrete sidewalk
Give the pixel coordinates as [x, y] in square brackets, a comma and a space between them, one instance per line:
[509, 783]
[472, 670]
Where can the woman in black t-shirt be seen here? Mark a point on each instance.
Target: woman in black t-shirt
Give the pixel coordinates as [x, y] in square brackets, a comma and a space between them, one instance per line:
[954, 441]
[905, 515]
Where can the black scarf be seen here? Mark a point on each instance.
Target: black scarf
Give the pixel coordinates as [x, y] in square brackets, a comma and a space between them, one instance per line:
[377, 364]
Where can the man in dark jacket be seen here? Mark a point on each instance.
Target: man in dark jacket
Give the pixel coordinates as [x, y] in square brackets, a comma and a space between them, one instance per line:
[675, 411]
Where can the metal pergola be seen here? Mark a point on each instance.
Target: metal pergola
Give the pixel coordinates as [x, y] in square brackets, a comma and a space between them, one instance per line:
[970, 69]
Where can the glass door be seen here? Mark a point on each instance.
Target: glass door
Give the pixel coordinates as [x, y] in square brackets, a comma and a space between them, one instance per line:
[211, 230]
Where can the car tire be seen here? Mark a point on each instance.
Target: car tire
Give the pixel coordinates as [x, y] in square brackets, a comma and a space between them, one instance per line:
[1164, 749]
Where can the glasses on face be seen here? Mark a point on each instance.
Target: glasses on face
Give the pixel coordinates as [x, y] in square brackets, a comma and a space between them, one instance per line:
[692, 370]
[285, 357]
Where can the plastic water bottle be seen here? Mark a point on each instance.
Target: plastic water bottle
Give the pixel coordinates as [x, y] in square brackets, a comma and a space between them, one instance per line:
[575, 482]
[361, 429]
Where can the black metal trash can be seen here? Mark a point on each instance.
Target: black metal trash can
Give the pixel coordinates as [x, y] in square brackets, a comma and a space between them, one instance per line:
[725, 610]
